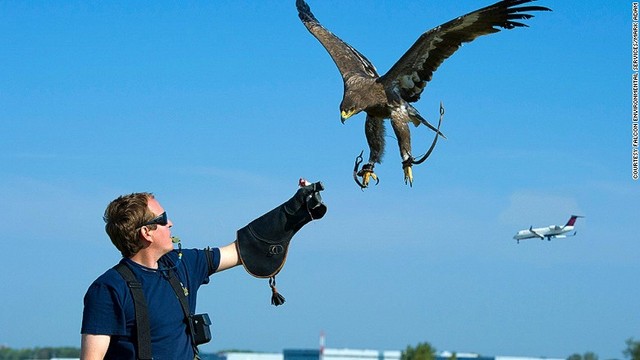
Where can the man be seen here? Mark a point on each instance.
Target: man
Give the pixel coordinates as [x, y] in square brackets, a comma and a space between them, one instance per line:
[138, 226]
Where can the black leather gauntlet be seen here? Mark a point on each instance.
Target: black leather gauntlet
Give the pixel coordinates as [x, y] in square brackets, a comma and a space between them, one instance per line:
[263, 244]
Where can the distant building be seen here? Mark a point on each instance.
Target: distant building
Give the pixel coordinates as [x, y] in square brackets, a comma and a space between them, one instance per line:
[240, 355]
[340, 354]
[351, 354]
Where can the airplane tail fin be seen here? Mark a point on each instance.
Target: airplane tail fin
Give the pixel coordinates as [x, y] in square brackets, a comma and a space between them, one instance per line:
[572, 220]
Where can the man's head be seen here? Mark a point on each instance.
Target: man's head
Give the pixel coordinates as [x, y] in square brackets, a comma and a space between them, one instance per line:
[127, 217]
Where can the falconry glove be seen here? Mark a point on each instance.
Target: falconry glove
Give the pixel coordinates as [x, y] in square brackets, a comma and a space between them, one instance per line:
[263, 244]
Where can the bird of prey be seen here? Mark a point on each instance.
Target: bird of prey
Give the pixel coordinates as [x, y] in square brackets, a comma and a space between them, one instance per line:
[390, 96]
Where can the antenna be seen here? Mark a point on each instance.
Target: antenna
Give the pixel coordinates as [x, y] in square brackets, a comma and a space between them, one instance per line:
[321, 345]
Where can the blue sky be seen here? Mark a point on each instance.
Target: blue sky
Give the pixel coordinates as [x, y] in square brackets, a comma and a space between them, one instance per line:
[219, 107]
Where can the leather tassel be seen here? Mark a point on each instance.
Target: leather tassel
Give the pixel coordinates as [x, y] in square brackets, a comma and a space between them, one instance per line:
[276, 298]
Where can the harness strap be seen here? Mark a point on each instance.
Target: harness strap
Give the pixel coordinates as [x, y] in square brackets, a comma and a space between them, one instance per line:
[181, 293]
[143, 328]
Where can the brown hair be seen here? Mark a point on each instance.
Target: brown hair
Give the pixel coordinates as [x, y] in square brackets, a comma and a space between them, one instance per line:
[123, 217]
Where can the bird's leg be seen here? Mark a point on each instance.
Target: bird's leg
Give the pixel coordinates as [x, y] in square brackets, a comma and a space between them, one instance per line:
[408, 159]
[401, 128]
[366, 173]
[435, 140]
[374, 130]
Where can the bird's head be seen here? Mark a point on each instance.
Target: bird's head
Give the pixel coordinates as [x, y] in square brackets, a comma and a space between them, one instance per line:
[348, 108]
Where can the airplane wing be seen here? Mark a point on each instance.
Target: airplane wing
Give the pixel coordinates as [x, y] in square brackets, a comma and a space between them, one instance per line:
[536, 233]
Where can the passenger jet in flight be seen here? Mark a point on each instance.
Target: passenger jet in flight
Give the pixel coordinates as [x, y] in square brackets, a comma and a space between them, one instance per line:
[549, 232]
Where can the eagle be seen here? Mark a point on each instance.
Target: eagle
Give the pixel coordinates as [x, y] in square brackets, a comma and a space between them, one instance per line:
[390, 96]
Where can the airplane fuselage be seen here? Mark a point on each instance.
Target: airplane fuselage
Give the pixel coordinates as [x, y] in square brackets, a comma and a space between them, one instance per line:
[542, 233]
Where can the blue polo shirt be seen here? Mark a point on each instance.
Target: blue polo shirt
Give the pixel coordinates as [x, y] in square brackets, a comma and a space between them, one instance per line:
[109, 309]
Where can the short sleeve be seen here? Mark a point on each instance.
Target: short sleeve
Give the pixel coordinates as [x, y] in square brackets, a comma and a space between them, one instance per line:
[213, 256]
[103, 312]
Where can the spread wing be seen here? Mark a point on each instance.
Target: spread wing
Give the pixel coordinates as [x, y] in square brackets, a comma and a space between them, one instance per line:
[416, 67]
[349, 60]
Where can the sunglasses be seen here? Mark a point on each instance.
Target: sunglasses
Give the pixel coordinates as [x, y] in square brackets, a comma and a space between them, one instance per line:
[158, 220]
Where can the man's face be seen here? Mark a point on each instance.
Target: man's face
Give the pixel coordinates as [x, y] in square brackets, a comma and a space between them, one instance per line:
[162, 234]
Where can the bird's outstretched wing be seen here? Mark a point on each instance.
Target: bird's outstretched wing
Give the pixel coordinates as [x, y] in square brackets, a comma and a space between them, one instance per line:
[416, 67]
[350, 61]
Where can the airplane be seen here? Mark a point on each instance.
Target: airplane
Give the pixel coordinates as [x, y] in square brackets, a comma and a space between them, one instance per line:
[549, 232]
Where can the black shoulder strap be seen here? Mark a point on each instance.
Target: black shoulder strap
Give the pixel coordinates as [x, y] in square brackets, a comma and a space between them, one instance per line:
[181, 293]
[143, 328]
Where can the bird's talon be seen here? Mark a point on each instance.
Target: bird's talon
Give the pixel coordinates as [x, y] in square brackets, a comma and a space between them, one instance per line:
[408, 171]
[366, 173]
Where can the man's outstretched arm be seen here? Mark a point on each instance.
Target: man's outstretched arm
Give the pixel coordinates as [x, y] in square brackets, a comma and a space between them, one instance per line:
[229, 257]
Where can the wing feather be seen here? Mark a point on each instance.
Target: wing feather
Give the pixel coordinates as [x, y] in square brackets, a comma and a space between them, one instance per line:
[350, 61]
[416, 67]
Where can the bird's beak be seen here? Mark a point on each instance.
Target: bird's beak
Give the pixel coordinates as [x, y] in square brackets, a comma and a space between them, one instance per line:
[344, 115]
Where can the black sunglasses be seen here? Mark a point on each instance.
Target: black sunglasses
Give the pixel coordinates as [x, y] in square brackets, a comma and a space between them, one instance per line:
[158, 220]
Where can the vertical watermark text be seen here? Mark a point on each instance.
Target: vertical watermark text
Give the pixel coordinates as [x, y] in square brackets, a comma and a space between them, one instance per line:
[635, 65]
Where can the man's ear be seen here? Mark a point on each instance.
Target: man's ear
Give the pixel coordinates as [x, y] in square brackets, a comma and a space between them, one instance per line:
[145, 234]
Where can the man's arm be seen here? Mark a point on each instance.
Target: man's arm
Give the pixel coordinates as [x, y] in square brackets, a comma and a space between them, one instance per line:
[94, 346]
[229, 257]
